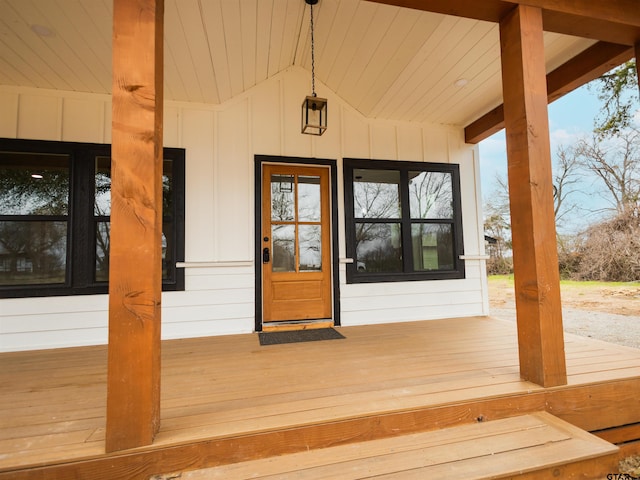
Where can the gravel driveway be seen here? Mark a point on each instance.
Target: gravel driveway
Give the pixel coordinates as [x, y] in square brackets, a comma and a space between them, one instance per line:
[609, 327]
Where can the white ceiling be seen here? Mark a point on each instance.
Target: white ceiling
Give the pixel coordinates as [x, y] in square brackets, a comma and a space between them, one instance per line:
[387, 62]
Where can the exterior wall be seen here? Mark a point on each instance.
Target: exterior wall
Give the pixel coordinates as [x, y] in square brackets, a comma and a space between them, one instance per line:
[220, 143]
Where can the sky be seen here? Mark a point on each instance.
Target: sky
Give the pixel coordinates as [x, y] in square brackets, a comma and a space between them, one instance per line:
[570, 117]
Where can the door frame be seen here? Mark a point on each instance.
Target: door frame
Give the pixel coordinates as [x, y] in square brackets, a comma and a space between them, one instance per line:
[259, 160]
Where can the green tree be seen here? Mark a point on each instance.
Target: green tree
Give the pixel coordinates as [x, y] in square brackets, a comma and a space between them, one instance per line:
[618, 91]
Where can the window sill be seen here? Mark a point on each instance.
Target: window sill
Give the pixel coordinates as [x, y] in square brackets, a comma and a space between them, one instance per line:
[404, 277]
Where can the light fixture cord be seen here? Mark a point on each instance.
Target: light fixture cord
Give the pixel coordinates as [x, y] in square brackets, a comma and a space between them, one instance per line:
[313, 57]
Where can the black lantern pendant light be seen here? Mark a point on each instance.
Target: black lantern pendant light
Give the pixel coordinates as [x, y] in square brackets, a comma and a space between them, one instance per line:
[314, 109]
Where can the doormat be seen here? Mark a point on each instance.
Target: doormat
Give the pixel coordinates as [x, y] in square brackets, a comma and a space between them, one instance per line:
[295, 336]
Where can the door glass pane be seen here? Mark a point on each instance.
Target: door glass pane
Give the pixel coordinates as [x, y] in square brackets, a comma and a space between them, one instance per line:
[33, 252]
[432, 247]
[430, 195]
[378, 247]
[308, 198]
[102, 203]
[282, 198]
[103, 230]
[167, 187]
[310, 244]
[283, 250]
[376, 193]
[34, 184]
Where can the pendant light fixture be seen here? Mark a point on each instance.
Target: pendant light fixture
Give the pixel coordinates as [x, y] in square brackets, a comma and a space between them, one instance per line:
[314, 109]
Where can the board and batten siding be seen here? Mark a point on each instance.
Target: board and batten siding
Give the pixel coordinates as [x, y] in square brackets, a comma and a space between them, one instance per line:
[221, 142]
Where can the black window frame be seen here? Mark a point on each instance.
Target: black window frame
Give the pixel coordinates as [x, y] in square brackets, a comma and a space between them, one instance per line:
[81, 221]
[407, 274]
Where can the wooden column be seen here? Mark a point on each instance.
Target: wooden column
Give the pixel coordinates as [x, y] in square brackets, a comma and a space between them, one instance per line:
[535, 257]
[135, 266]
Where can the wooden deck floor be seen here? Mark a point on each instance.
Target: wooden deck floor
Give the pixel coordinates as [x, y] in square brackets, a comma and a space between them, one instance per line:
[222, 396]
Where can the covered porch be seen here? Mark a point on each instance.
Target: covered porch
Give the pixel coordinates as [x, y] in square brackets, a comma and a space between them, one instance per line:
[98, 412]
[227, 399]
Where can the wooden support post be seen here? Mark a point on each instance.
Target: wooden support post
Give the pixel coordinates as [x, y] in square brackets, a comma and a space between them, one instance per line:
[135, 266]
[535, 257]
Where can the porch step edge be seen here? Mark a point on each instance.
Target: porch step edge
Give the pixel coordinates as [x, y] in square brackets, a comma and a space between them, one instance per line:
[534, 445]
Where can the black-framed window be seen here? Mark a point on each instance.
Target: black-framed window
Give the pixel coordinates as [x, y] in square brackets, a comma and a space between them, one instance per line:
[403, 221]
[55, 206]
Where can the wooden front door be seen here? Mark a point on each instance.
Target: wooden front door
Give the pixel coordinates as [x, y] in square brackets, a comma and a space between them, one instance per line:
[296, 243]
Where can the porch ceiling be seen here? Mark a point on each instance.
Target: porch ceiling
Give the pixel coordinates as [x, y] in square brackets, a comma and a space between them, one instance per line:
[386, 61]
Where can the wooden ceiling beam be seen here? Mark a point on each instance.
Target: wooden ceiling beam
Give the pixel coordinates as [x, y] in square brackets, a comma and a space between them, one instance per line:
[617, 11]
[615, 21]
[586, 66]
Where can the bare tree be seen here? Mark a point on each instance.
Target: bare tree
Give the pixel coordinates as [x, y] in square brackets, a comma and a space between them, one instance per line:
[616, 163]
[566, 179]
[610, 250]
[497, 225]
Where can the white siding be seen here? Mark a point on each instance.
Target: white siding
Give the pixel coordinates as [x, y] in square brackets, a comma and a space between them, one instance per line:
[83, 120]
[8, 114]
[220, 143]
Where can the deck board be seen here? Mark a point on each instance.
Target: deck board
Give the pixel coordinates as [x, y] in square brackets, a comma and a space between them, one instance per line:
[53, 402]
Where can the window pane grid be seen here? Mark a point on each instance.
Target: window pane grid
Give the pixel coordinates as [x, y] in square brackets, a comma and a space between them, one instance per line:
[55, 211]
[403, 221]
[296, 223]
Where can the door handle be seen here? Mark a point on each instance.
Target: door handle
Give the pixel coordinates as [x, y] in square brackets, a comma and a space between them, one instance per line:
[265, 255]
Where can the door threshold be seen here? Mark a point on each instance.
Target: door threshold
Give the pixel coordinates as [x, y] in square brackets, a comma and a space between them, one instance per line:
[296, 325]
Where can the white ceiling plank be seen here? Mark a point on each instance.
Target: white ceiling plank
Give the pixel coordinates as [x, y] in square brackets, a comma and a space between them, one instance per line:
[332, 26]
[410, 78]
[202, 21]
[374, 47]
[294, 18]
[442, 56]
[276, 41]
[10, 74]
[173, 85]
[85, 53]
[560, 48]
[399, 62]
[323, 16]
[387, 62]
[441, 78]
[453, 99]
[232, 28]
[26, 74]
[93, 29]
[35, 50]
[484, 98]
[60, 52]
[101, 14]
[399, 45]
[358, 28]
[263, 42]
[178, 52]
[463, 64]
[249, 27]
